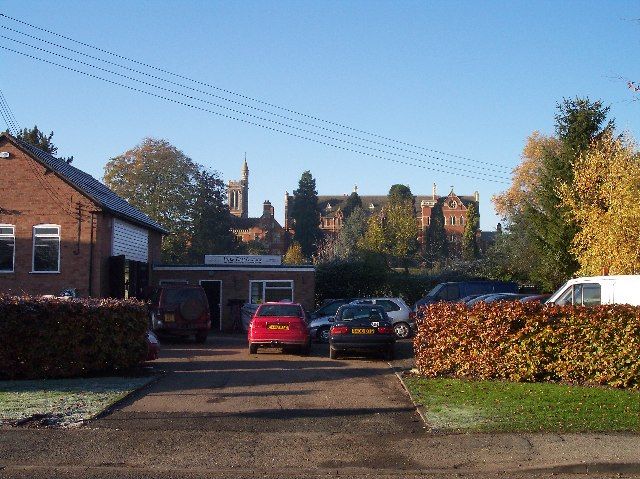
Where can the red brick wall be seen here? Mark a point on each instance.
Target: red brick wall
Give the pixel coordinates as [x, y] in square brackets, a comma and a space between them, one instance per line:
[235, 284]
[29, 195]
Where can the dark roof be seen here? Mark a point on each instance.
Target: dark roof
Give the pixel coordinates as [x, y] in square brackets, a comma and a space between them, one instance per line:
[378, 201]
[244, 223]
[89, 186]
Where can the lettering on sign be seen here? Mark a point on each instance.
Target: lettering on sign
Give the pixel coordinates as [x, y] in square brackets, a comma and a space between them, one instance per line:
[242, 259]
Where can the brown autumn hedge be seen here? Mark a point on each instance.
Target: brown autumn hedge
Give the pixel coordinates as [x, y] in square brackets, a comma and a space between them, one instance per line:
[530, 342]
[47, 338]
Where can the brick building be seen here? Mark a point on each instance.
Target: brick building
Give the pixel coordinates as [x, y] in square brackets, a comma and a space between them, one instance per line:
[454, 208]
[237, 279]
[265, 228]
[61, 228]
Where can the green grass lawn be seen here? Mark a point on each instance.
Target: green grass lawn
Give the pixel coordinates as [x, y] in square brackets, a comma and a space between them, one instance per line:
[452, 404]
[63, 402]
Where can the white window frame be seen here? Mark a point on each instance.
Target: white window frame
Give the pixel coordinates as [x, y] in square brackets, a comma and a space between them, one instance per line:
[47, 235]
[264, 287]
[11, 235]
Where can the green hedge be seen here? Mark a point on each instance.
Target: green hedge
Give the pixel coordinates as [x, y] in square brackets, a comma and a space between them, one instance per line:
[530, 342]
[47, 338]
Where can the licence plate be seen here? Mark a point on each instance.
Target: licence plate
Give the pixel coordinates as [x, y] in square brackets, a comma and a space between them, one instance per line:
[362, 330]
[278, 327]
[169, 317]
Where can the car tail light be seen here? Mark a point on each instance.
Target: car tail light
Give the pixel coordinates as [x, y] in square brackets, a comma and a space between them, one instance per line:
[340, 330]
[385, 330]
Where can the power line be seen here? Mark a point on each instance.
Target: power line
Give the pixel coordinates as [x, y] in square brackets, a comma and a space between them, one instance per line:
[190, 97]
[230, 92]
[182, 85]
[10, 120]
[173, 100]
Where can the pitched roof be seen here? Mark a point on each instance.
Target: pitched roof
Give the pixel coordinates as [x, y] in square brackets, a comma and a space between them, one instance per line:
[378, 201]
[88, 185]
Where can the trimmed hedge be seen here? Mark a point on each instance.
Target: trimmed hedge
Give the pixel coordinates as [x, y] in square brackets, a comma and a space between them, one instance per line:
[56, 338]
[530, 342]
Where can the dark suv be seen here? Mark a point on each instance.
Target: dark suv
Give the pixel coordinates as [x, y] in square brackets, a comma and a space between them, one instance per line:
[180, 310]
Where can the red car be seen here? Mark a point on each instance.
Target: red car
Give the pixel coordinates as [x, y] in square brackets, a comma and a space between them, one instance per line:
[279, 325]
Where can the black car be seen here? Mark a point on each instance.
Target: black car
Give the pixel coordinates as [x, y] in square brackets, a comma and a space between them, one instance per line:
[361, 327]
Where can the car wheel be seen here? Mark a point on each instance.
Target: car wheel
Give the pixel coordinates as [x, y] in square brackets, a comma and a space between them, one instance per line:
[253, 348]
[201, 336]
[402, 330]
[333, 353]
[323, 335]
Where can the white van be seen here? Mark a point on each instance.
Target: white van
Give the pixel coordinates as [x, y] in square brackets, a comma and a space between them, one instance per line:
[595, 290]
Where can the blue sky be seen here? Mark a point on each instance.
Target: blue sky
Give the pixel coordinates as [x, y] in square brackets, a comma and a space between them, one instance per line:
[467, 78]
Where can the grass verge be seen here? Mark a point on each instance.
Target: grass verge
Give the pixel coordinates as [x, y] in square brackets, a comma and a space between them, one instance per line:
[62, 402]
[499, 406]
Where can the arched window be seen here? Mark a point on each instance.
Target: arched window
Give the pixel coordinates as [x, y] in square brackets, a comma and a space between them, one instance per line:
[462, 220]
[452, 219]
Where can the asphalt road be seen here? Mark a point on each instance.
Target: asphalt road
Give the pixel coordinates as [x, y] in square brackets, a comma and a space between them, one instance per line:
[219, 412]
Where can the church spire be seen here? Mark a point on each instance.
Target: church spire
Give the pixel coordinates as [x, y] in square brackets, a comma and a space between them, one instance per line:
[245, 169]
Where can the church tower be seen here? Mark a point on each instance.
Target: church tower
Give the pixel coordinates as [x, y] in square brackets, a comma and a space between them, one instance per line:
[238, 193]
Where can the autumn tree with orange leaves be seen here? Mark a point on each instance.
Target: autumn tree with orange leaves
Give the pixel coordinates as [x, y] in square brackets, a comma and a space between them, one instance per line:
[603, 201]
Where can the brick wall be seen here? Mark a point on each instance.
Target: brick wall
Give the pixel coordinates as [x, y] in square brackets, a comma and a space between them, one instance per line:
[235, 284]
[30, 195]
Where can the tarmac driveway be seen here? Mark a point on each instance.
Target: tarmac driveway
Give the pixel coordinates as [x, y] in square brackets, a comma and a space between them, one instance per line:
[219, 412]
[221, 387]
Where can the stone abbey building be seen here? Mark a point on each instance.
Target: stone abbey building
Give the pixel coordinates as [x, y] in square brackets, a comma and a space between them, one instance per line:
[454, 208]
[265, 228]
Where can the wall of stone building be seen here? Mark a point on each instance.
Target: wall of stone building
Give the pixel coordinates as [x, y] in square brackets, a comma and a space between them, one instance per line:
[31, 195]
[235, 284]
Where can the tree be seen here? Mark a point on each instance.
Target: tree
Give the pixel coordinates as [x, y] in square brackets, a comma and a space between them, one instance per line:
[353, 201]
[210, 230]
[436, 245]
[294, 255]
[400, 194]
[401, 232]
[306, 215]
[603, 201]
[469, 237]
[532, 207]
[162, 182]
[351, 234]
[38, 139]
[374, 241]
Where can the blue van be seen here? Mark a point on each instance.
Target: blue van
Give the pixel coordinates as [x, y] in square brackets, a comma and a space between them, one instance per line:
[455, 291]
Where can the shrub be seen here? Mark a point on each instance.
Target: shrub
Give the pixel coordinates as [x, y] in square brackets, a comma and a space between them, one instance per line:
[530, 342]
[45, 338]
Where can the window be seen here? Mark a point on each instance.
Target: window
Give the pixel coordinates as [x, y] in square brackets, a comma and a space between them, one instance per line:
[581, 295]
[288, 310]
[449, 292]
[462, 220]
[453, 204]
[269, 291]
[388, 305]
[46, 249]
[7, 248]
[453, 220]
[428, 220]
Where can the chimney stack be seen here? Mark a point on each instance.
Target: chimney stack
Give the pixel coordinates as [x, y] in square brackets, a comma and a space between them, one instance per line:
[267, 209]
[433, 194]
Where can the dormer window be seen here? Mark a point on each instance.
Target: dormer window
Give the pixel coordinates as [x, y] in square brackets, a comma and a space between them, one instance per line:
[329, 206]
[371, 206]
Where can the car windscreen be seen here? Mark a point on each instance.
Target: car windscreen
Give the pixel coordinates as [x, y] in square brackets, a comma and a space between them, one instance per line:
[271, 310]
[435, 290]
[180, 295]
[330, 309]
[351, 313]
